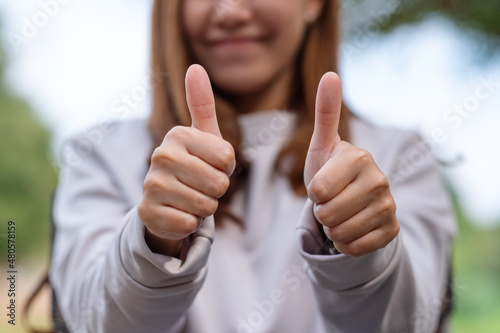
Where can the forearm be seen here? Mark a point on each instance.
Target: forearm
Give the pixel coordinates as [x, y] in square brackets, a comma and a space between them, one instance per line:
[131, 288]
[381, 292]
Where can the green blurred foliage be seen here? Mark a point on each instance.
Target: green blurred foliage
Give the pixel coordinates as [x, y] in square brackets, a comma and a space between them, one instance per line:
[477, 278]
[483, 15]
[477, 251]
[471, 15]
[27, 178]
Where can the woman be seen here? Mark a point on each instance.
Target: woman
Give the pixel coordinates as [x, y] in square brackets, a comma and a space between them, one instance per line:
[191, 222]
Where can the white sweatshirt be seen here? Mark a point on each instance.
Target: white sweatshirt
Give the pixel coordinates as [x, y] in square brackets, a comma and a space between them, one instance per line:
[273, 275]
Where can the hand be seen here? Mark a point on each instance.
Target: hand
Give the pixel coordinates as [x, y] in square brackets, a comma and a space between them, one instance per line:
[351, 196]
[189, 171]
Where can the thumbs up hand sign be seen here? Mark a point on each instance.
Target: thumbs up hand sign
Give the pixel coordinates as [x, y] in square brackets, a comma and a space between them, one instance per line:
[189, 171]
[351, 196]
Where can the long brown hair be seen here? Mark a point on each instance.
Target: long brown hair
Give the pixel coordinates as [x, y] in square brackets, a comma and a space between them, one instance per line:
[171, 58]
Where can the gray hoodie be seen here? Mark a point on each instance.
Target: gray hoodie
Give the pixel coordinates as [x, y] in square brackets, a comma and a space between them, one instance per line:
[273, 275]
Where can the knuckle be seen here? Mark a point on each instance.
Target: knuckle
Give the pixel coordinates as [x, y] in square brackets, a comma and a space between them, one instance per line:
[392, 232]
[340, 247]
[354, 249]
[150, 218]
[227, 154]
[395, 230]
[318, 189]
[388, 205]
[156, 157]
[321, 215]
[381, 181]
[336, 234]
[177, 133]
[190, 224]
[154, 229]
[205, 206]
[219, 185]
[362, 156]
[144, 211]
[152, 185]
[176, 225]
[163, 156]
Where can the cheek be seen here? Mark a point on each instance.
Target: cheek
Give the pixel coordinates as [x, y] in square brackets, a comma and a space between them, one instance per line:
[195, 14]
[289, 28]
[285, 18]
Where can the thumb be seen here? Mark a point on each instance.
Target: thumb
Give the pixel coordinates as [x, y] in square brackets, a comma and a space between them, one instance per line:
[200, 100]
[326, 124]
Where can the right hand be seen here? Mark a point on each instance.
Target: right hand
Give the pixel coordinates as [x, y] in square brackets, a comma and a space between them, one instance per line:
[189, 171]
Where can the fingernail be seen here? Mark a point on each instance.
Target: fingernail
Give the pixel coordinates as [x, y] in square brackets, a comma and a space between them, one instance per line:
[315, 212]
[311, 195]
[230, 169]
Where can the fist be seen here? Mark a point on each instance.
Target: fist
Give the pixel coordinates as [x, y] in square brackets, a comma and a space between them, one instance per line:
[189, 171]
[352, 198]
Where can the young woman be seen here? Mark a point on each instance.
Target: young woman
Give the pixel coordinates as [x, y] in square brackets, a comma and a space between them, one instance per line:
[251, 201]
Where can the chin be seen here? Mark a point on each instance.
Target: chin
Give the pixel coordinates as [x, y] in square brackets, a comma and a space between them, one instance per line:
[239, 82]
[238, 87]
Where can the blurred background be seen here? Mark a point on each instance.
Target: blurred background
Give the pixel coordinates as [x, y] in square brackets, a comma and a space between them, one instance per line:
[428, 65]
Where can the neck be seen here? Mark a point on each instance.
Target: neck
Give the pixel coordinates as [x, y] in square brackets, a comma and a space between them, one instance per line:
[273, 96]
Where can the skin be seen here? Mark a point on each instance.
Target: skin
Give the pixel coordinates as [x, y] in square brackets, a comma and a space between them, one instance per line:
[190, 170]
[248, 47]
[352, 198]
[177, 193]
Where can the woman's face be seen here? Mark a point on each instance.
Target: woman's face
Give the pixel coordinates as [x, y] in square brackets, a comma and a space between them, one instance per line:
[246, 45]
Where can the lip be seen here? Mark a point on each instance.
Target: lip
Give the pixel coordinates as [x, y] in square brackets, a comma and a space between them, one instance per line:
[235, 42]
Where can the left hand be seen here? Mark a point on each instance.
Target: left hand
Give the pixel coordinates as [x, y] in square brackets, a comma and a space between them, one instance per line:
[351, 196]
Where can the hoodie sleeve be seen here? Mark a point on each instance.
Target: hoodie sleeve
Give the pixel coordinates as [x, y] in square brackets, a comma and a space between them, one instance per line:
[104, 276]
[398, 288]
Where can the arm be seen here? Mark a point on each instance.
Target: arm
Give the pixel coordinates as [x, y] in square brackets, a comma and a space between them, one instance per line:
[109, 279]
[397, 288]
[104, 275]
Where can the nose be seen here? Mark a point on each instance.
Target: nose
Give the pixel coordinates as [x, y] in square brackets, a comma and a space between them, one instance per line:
[232, 13]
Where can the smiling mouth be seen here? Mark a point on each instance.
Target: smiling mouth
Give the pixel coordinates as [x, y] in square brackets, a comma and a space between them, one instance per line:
[236, 42]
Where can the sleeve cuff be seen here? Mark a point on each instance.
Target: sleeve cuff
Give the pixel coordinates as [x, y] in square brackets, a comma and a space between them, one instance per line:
[159, 271]
[340, 272]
